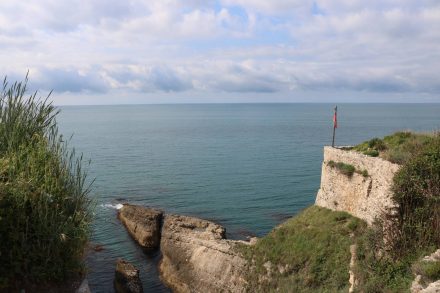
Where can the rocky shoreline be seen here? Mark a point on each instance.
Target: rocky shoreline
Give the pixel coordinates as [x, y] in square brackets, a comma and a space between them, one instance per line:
[196, 256]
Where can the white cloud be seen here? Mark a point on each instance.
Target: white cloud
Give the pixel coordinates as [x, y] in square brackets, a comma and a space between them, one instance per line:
[228, 46]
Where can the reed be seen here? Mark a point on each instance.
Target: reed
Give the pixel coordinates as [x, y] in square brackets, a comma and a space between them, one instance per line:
[45, 211]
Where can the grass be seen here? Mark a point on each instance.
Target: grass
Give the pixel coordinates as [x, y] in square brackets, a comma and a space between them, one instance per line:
[344, 168]
[377, 271]
[45, 212]
[308, 253]
[311, 253]
[428, 269]
[397, 148]
[347, 169]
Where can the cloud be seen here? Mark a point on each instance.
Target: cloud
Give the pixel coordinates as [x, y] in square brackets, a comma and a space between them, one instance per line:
[69, 80]
[271, 7]
[225, 46]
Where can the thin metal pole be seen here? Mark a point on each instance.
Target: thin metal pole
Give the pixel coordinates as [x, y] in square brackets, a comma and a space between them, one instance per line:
[334, 125]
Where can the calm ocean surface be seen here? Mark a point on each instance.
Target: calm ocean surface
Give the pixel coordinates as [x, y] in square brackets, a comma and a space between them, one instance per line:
[245, 166]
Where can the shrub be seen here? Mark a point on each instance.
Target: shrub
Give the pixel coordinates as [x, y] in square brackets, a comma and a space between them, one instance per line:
[371, 147]
[371, 153]
[416, 189]
[44, 208]
[387, 252]
[396, 148]
[377, 144]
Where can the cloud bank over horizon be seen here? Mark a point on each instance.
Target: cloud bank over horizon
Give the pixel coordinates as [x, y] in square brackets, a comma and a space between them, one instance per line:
[110, 51]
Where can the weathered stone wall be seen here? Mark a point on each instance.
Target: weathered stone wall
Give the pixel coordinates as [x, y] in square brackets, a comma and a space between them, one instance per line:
[364, 197]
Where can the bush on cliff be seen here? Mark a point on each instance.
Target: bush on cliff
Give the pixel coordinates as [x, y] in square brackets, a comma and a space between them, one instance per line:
[416, 190]
[388, 252]
[44, 209]
[397, 148]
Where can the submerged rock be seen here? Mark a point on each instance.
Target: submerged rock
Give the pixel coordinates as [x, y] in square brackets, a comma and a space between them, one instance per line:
[143, 224]
[127, 278]
[198, 258]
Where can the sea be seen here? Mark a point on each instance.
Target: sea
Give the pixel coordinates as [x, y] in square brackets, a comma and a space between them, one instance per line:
[247, 167]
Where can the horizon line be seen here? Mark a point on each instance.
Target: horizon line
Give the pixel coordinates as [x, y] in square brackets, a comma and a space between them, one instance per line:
[250, 103]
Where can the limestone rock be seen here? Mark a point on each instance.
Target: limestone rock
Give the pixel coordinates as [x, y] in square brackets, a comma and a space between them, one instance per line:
[435, 256]
[198, 258]
[84, 287]
[127, 278]
[143, 224]
[432, 288]
[420, 284]
[416, 285]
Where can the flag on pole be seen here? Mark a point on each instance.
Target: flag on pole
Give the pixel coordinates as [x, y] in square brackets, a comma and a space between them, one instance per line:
[335, 124]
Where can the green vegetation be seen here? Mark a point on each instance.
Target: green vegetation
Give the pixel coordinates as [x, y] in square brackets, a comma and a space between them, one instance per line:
[428, 269]
[347, 169]
[364, 173]
[378, 271]
[388, 251]
[397, 148]
[416, 190]
[308, 253]
[44, 209]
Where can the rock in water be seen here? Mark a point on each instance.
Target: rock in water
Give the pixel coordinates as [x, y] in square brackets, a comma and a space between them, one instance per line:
[84, 287]
[127, 278]
[198, 258]
[143, 224]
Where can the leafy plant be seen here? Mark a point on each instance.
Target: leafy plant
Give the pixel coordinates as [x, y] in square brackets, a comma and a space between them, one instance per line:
[416, 191]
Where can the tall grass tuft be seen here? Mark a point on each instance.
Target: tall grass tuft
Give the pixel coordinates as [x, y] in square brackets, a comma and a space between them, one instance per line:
[45, 212]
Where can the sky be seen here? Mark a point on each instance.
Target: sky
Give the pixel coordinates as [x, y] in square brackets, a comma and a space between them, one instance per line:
[225, 51]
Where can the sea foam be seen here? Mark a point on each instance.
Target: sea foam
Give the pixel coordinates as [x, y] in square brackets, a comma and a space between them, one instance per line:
[112, 206]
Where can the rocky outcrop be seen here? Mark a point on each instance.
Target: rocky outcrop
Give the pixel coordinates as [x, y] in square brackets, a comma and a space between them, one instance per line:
[422, 284]
[198, 258]
[143, 224]
[83, 287]
[127, 278]
[365, 197]
[352, 280]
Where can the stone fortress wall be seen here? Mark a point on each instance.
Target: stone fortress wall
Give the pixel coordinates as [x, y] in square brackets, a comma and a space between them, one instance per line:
[365, 197]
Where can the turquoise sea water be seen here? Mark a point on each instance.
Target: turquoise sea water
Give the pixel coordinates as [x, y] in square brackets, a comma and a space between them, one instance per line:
[245, 166]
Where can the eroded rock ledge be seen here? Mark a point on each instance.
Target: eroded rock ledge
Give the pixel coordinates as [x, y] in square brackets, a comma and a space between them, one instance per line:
[143, 224]
[196, 257]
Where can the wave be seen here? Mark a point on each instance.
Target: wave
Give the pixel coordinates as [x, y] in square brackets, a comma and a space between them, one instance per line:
[116, 206]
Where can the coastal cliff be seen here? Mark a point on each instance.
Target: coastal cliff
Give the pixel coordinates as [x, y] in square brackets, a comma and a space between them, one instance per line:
[335, 245]
[365, 196]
